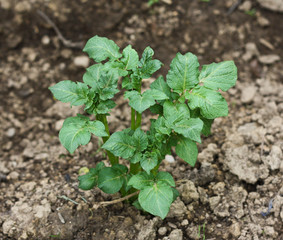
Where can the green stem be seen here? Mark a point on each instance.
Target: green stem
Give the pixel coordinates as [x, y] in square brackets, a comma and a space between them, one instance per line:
[138, 120]
[139, 115]
[113, 159]
[135, 168]
[133, 119]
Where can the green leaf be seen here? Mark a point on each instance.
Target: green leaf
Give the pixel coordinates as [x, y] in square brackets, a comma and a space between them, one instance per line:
[130, 58]
[156, 199]
[206, 126]
[147, 65]
[104, 106]
[149, 161]
[89, 180]
[156, 109]
[117, 67]
[161, 127]
[127, 83]
[150, 67]
[189, 128]
[141, 102]
[92, 75]
[136, 158]
[161, 85]
[140, 140]
[210, 102]
[120, 144]
[206, 122]
[68, 91]
[187, 150]
[175, 194]
[183, 73]
[175, 112]
[146, 56]
[111, 179]
[166, 178]
[221, 75]
[77, 131]
[155, 94]
[141, 180]
[101, 48]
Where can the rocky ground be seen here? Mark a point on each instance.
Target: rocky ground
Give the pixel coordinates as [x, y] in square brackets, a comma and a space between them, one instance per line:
[236, 189]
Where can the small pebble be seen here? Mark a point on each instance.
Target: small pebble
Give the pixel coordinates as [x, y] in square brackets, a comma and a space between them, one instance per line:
[81, 61]
[45, 40]
[11, 132]
[162, 231]
[169, 158]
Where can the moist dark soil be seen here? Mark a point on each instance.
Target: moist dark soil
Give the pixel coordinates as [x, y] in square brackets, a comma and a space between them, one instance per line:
[235, 191]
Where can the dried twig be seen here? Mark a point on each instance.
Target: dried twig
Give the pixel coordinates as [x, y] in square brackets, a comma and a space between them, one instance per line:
[104, 204]
[66, 42]
[234, 6]
[68, 199]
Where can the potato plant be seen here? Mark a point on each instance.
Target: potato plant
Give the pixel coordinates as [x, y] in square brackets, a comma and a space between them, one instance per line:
[186, 103]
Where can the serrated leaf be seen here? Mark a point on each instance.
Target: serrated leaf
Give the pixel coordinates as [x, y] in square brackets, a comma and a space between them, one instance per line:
[189, 128]
[161, 127]
[120, 144]
[161, 85]
[149, 161]
[187, 150]
[165, 177]
[156, 199]
[130, 58]
[68, 91]
[221, 75]
[206, 122]
[89, 180]
[155, 94]
[147, 65]
[136, 158]
[116, 67]
[183, 73]
[141, 102]
[146, 56]
[77, 131]
[141, 180]
[111, 179]
[210, 102]
[156, 109]
[127, 83]
[140, 140]
[175, 194]
[206, 126]
[150, 67]
[175, 112]
[101, 48]
[92, 75]
[104, 106]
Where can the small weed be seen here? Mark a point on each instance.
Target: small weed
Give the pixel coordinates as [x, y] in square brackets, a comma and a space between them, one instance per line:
[251, 12]
[203, 231]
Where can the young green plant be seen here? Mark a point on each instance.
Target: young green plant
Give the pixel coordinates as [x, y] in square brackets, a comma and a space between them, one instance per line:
[186, 104]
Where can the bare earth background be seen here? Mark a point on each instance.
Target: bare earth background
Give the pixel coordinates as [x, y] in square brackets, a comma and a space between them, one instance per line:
[240, 167]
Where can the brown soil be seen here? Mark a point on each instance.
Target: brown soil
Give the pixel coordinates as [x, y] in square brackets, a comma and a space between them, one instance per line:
[36, 171]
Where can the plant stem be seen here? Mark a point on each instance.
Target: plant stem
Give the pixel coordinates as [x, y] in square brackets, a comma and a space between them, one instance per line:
[138, 121]
[135, 168]
[113, 159]
[133, 119]
[139, 115]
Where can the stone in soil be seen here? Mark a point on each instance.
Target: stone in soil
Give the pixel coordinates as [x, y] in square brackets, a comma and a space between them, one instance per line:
[188, 192]
[239, 163]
